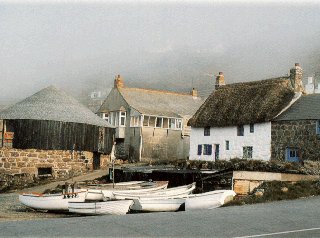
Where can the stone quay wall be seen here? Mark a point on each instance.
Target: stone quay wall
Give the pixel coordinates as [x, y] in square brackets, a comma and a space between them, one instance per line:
[20, 168]
[300, 134]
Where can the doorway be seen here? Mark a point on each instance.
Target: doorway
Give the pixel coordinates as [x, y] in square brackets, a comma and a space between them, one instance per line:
[96, 161]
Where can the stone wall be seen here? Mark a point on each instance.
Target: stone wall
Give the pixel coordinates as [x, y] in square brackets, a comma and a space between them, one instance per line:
[19, 168]
[299, 134]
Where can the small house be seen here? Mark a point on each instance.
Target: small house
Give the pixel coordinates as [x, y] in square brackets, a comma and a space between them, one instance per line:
[150, 124]
[267, 119]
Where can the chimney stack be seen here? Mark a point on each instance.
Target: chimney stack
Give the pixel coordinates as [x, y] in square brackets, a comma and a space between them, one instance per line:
[219, 80]
[118, 82]
[296, 78]
[194, 93]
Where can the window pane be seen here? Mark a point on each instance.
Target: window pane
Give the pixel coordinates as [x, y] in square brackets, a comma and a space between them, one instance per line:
[152, 121]
[207, 131]
[227, 145]
[172, 123]
[165, 123]
[159, 122]
[146, 121]
[179, 124]
[199, 149]
[240, 130]
[251, 128]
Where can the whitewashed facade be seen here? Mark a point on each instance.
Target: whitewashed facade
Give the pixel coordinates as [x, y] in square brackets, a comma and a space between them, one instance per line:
[239, 146]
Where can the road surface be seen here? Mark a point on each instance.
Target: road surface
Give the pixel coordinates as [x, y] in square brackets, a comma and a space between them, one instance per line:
[296, 218]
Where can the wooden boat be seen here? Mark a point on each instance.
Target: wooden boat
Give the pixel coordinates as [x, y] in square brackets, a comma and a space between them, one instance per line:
[108, 193]
[52, 202]
[157, 205]
[176, 192]
[120, 207]
[208, 200]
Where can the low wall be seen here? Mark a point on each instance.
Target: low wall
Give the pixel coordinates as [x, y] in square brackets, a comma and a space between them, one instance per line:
[19, 168]
[245, 182]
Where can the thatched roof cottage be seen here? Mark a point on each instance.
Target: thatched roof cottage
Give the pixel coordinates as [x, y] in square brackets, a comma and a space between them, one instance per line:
[255, 120]
[150, 124]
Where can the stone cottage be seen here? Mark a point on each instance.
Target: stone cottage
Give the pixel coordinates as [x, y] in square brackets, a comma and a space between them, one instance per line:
[150, 124]
[50, 134]
[267, 119]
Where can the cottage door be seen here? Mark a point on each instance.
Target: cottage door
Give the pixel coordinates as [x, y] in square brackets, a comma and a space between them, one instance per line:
[292, 155]
[96, 160]
[216, 151]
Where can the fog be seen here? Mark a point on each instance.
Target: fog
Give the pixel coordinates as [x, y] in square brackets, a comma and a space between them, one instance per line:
[80, 46]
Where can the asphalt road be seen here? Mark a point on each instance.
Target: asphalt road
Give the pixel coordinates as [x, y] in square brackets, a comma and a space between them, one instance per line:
[297, 218]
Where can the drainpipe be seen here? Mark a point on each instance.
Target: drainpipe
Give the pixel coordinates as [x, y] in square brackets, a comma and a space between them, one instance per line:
[140, 149]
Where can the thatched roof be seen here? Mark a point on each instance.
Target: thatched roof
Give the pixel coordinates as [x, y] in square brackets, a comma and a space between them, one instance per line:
[53, 105]
[307, 107]
[244, 103]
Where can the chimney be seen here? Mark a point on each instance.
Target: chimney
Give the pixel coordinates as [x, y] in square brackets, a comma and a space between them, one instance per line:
[118, 82]
[194, 93]
[296, 78]
[219, 80]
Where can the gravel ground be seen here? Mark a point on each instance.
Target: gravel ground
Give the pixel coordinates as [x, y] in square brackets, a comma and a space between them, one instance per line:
[12, 209]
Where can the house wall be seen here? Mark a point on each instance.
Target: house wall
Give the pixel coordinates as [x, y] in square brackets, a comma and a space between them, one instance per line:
[299, 134]
[260, 140]
[20, 167]
[164, 144]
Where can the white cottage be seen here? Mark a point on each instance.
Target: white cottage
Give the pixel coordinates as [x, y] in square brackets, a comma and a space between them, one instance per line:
[239, 120]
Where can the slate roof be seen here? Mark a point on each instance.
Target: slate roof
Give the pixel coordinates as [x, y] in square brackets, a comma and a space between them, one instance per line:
[306, 107]
[55, 105]
[244, 103]
[161, 103]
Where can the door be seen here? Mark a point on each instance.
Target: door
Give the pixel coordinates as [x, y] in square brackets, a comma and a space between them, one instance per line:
[96, 160]
[216, 151]
[292, 155]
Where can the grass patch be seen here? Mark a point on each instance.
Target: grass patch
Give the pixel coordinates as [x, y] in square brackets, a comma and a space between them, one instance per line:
[277, 190]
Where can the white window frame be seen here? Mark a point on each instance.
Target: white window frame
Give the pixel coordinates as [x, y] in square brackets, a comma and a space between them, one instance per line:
[122, 115]
[105, 116]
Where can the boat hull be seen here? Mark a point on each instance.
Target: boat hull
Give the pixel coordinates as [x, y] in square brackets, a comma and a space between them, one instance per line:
[157, 205]
[209, 200]
[52, 202]
[101, 208]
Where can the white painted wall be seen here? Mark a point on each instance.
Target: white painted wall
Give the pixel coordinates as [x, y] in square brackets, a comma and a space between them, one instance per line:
[260, 140]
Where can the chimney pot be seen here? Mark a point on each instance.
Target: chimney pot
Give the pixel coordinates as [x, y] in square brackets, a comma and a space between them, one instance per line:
[220, 73]
[118, 82]
[194, 92]
[219, 80]
[296, 64]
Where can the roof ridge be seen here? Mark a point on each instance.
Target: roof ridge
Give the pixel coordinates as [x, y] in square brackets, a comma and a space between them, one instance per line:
[157, 91]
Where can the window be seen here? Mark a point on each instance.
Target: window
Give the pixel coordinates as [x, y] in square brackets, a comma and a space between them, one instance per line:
[105, 116]
[172, 123]
[159, 122]
[122, 118]
[146, 120]
[166, 123]
[207, 149]
[247, 152]
[227, 145]
[251, 127]
[199, 149]
[216, 151]
[178, 124]
[152, 121]
[318, 127]
[206, 131]
[292, 155]
[240, 130]
[135, 121]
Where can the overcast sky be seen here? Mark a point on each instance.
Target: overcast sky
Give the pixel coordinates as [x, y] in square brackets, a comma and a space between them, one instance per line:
[76, 45]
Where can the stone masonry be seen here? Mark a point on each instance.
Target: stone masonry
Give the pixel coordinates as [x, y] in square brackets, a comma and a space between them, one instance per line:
[22, 166]
[298, 134]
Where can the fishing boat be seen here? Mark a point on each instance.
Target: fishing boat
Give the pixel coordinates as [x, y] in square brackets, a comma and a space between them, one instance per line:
[175, 192]
[51, 202]
[120, 207]
[208, 200]
[157, 205]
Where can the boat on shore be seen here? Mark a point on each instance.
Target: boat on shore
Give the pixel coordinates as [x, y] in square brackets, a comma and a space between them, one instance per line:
[157, 205]
[120, 207]
[175, 192]
[51, 202]
[208, 200]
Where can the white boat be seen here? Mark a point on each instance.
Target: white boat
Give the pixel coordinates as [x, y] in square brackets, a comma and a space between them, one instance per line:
[209, 200]
[120, 207]
[52, 202]
[176, 192]
[157, 205]
[107, 194]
